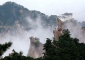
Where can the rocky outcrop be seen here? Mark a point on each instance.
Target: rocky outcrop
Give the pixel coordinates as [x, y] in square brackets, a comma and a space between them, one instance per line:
[36, 48]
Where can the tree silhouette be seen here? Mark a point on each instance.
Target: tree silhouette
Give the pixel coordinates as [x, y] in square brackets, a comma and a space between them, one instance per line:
[16, 56]
[67, 48]
[4, 47]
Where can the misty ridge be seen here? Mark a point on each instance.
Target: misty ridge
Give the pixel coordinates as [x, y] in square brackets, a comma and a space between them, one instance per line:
[17, 24]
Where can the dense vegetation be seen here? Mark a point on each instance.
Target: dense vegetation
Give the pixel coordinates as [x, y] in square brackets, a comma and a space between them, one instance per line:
[66, 48]
[4, 47]
[10, 13]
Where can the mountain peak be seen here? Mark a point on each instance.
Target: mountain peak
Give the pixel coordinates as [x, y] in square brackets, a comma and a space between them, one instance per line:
[10, 3]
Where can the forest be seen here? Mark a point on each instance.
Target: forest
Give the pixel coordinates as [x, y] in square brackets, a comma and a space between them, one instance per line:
[66, 48]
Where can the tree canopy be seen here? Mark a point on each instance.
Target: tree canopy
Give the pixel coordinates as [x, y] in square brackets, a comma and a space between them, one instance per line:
[4, 47]
[67, 48]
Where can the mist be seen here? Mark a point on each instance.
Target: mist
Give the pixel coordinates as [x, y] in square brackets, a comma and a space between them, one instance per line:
[76, 30]
[20, 37]
[73, 26]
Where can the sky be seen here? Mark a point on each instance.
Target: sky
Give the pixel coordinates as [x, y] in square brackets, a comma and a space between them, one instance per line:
[54, 7]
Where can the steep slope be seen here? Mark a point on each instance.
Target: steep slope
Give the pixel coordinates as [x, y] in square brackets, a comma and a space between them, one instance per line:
[10, 13]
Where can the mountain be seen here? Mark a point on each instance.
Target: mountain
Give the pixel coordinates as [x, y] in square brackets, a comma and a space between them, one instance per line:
[36, 48]
[12, 14]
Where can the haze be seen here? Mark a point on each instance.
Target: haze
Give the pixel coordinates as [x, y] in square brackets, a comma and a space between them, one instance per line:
[49, 7]
[54, 7]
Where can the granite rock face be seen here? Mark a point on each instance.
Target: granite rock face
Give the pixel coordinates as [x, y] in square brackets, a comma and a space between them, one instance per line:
[36, 48]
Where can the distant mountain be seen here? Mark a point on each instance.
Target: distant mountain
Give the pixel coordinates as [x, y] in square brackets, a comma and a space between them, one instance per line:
[12, 13]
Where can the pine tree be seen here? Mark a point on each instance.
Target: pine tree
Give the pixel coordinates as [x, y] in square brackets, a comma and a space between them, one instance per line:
[67, 48]
[16, 56]
[4, 47]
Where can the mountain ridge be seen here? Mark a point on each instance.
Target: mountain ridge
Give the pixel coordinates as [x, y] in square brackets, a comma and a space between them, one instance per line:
[11, 12]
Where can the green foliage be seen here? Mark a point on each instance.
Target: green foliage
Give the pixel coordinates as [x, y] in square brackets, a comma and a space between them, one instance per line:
[66, 48]
[4, 47]
[10, 12]
[16, 56]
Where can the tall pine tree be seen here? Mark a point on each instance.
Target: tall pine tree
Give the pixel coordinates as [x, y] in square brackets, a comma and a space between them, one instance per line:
[4, 47]
[67, 48]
